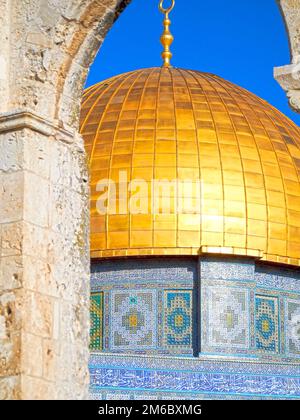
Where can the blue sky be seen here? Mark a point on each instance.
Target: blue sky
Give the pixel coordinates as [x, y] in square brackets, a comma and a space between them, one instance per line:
[240, 40]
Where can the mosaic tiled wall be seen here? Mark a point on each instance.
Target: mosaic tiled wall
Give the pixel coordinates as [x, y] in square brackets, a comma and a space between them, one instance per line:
[166, 378]
[193, 311]
[292, 312]
[148, 305]
[228, 314]
[249, 309]
[96, 343]
[267, 324]
[133, 319]
[178, 314]
[151, 305]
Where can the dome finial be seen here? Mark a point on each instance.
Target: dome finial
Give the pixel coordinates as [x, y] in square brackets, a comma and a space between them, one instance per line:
[167, 38]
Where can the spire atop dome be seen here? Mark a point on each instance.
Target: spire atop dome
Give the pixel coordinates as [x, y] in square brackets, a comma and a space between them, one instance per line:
[166, 38]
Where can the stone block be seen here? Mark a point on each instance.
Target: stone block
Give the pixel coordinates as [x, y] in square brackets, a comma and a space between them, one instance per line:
[10, 388]
[32, 355]
[11, 239]
[37, 314]
[36, 191]
[11, 197]
[11, 273]
[11, 152]
[37, 389]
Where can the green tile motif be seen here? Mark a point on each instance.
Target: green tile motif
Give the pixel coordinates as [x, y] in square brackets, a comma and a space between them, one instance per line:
[96, 342]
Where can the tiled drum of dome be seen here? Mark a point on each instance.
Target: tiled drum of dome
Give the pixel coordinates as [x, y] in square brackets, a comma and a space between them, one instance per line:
[267, 324]
[96, 309]
[178, 319]
[133, 320]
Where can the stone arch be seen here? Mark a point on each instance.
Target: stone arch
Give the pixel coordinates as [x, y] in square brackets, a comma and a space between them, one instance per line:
[48, 51]
[82, 50]
[288, 76]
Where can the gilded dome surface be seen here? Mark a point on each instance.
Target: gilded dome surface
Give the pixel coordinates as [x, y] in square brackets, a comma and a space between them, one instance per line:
[167, 123]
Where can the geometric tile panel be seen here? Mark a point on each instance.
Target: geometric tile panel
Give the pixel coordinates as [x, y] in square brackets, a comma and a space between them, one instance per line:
[178, 318]
[228, 318]
[96, 310]
[293, 327]
[267, 324]
[133, 319]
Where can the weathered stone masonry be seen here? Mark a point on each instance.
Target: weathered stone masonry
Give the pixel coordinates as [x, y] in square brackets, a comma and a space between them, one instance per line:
[46, 50]
[44, 260]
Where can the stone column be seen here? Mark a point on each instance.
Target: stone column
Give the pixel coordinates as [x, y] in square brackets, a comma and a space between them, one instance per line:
[288, 76]
[44, 260]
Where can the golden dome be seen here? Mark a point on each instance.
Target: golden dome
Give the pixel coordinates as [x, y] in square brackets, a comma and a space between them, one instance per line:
[167, 123]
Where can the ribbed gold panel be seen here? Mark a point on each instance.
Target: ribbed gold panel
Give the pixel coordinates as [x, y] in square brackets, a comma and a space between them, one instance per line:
[176, 124]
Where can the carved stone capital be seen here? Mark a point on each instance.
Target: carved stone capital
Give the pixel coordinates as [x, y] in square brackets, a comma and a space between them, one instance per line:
[289, 76]
[289, 79]
[18, 120]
